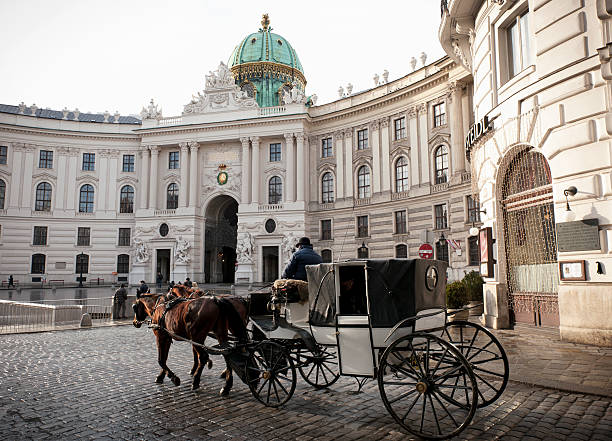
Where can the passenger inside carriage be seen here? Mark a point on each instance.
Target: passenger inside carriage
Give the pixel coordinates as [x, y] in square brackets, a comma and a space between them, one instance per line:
[352, 291]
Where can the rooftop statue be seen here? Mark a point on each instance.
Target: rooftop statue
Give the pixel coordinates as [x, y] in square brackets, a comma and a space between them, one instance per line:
[151, 112]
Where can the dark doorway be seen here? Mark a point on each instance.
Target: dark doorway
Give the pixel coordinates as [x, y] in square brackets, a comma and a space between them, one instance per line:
[220, 240]
[163, 264]
[270, 263]
[228, 264]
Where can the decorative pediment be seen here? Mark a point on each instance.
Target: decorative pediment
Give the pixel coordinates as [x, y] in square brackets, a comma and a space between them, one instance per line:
[274, 170]
[173, 176]
[439, 138]
[360, 154]
[131, 180]
[87, 177]
[44, 176]
[401, 149]
[5, 172]
[325, 167]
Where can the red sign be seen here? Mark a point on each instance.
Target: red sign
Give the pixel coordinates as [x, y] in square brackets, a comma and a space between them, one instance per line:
[425, 251]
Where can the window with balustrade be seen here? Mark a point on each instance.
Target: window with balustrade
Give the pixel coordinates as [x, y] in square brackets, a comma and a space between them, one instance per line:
[275, 190]
[172, 196]
[126, 199]
[401, 175]
[45, 159]
[43, 197]
[441, 164]
[327, 188]
[86, 199]
[363, 182]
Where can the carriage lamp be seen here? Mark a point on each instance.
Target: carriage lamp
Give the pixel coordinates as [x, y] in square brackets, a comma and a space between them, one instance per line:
[362, 251]
[442, 238]
[569, 215]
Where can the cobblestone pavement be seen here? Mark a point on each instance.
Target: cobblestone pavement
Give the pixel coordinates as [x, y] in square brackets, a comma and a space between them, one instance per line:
[99, 384]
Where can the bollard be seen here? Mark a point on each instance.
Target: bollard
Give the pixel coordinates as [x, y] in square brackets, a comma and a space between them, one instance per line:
[86, 320]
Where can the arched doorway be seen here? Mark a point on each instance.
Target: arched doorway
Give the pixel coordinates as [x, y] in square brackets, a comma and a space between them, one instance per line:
[221, 228]
[530, 240]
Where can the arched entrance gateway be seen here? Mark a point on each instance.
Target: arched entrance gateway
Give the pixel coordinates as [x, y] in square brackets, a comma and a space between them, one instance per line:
[530, 240]
[221, 227]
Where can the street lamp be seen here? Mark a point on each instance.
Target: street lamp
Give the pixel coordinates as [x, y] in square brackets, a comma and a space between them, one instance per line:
[362, 251]
[569, 215]
[474, 229]
[80, 263]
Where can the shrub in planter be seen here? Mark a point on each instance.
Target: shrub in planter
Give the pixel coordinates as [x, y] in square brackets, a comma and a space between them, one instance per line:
[456, 295]
[473, 284]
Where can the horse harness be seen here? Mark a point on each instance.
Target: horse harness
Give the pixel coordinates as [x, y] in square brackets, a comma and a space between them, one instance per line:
[161, 324]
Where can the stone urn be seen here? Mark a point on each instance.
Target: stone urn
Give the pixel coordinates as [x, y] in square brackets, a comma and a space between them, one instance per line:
[476, 308]
[457, 314]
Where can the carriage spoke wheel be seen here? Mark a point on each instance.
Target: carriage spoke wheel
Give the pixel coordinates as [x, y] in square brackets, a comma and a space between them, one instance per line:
[270, 374]
[485, 355]
[319, 369]
[417, 376]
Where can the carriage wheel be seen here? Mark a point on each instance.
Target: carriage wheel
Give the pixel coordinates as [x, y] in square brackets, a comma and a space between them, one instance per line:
[417, 382]
[486, 356]
[270, 374]
[319, 369]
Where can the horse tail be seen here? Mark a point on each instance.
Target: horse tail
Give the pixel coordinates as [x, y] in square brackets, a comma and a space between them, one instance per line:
[235, 323]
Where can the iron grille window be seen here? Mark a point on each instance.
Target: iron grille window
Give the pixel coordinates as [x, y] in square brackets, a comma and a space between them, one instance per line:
[400, 128]
[326, 229]
[38, 263]
[89, 161]
[362, 226]
[439, 112]
[275, 152]
[40, 236]
[362, 139]
[363, 253]
[519, 51]
[43, 197]
[327, 188]
[441, 219]
[128, 163]
[45, 160]
[83, 236]
[172, 196]
[82, 264]
[275, 190]
[400, 222]
[2, 193]
[474, 254]
[401, 251]
[3, 154]
[86, 199]
[363, 182]
[327, 149]
[124, 237]
[123, 263]
[326, 256]
[126, 199]
[401, 175]
[442, 251]
[441, 163]
[473, 209]
[173, 160]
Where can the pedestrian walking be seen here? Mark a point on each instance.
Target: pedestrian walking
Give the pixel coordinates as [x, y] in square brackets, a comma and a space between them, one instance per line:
[159, 279]
[11, 282]
[119, 302]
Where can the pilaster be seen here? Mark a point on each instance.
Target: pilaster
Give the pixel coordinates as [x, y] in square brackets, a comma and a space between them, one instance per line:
[290, 161]
[145, 170]
[376, 177]
[301, 164]
[348, 163]
[15, 199]
[415, 152]
[62, 163]
[255, 177]
[423, 143]
[193, 173]
[338, 137]
[184, 188]
[154, 184]
[385, 151]
[456, 127]
[26, 183]
[246, 171]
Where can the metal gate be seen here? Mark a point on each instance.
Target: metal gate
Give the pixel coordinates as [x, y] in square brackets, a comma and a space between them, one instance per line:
[530, 240]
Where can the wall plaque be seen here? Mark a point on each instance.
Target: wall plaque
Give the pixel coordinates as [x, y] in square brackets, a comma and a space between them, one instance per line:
[582, 235]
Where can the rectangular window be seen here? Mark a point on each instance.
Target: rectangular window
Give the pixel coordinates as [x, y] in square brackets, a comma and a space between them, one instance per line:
[442, 251]
[45, 159]
[362, 139]
[474, 255]
[83, 236]
[519, 51]
[124, 237]
[473, 210]
[173, 160]
[362, 226]
[326, 148]
[401, 251]
[275, 152]
[123, 263]
[400, 128]
[40, 236]
[128, 163]
[441, 220]
[326, 229]
[439, 115]
[3, 154]
[400, 222]
[89, 161]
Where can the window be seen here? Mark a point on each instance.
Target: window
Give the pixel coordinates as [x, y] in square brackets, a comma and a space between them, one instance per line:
[86, 199]
[45, 159]
[327, 148]
[400, 128]
[441, 164]
[327, 188]
[82, 264]
[173, 160]
[363, 182]
[401, 175]
[38, 263]
[128, 163]
[83, 236]
[123, 263]
[89, 161]
[401, 251]
[2, 193]
[275, 152]
[442, 251]
[519, 51]
[40, 236]
[124, 237]
[362, 139]
[326, 229]
[362, 226]
[3, 154]
[43, 197]
[474, 255]
[172, 196]
[400, 222]
[126, 199]
[441, 221]
[275, 190]
[473, 210]
[439, 115]
[326, 256]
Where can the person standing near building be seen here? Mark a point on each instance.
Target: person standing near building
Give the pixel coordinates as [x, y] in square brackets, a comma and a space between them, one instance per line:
[188, 282]
[305, 255]
[11, 281]
[143, 289]
[159, 279]
[119, 302]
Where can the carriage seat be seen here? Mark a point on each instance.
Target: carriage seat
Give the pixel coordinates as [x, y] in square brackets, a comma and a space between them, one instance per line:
[291, 290]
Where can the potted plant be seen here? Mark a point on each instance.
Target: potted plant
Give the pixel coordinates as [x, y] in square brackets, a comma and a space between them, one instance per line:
[473, 284]
[456, 297]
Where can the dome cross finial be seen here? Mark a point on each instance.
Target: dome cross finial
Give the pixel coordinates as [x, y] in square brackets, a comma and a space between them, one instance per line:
[265, 22]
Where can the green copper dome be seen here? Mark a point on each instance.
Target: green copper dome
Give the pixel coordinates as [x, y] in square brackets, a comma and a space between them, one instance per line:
[264, 64]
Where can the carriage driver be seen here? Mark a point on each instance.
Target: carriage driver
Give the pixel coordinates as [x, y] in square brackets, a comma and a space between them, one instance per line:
[305, 255]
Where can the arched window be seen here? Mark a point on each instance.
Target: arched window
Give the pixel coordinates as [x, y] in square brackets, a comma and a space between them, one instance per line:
[327, 188]
[363, 182]
[82, 264]
[441, 163]
[401, 175]
[275, 190]
[126, 199]
[43, 197]
[86, 199]
[2, 193]
[123, 263]
[38, 263]
[326, 255]
[172, 196]
[401, 251]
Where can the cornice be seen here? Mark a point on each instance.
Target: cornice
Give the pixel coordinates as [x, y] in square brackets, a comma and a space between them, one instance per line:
[62, 134]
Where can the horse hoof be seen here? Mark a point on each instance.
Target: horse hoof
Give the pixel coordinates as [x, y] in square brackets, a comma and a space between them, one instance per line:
[192, 373]
[176, 381]
[159, 380]
[195, 386]
[224, 392]
[209, 363]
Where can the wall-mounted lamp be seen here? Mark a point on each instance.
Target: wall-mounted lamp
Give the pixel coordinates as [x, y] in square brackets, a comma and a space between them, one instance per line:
[474, 229]
[569, 215]
[362, 251]
[442, 239]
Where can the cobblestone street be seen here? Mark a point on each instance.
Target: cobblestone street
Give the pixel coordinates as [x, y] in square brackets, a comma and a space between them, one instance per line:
[99, 384]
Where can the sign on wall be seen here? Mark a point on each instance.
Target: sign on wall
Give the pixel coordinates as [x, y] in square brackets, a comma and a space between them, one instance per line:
[485, 240]
[582, 235]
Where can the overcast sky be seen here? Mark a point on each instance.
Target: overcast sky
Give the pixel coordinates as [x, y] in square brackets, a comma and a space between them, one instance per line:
[117, 55]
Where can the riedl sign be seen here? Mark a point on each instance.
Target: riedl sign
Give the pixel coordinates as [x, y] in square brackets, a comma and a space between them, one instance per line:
[425, 251]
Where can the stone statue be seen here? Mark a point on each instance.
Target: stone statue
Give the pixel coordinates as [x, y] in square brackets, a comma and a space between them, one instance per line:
[141, 252]
[287, 97]
[288, 246]
[244, 248]
[349, 89]
[413, 63]
[152, 112]
[341, 92]
[376, 78]
[423, 58]
[385, 76]
[224, 76]
[181, 252]
[211, 79]
[313, 99]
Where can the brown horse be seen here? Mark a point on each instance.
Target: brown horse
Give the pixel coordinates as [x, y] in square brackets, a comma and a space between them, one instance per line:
[190, 319]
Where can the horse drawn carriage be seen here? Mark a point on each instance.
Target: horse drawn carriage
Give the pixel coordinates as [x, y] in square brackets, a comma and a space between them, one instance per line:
[373, 319]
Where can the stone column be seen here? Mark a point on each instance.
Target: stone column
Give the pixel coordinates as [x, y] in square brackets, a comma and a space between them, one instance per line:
[338, 137]
[246, 171]
[193, 173]
[305, 169]
[423, 146]
[348, 163]
[255, 176]
[154, 184]
[145, 169]
[385, 167]
[62, 163]
[113, 191]
[26, 197]
[102, 166]
[456, 128]
[415, 157]
[73, 164]
[15, 187]
[290, 176]
[300, 167]
[376, 177]
[184, 189]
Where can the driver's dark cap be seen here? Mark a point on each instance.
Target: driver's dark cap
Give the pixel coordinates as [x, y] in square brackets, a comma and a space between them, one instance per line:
[303, 241]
